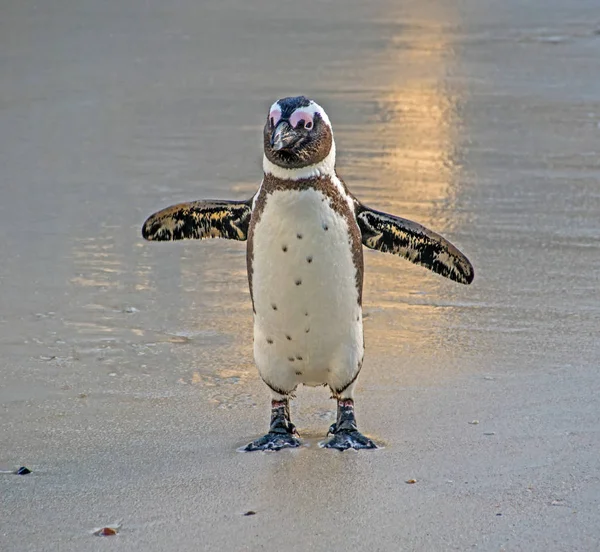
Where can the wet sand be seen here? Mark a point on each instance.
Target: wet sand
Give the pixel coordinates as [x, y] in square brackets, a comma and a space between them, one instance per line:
[126, 374]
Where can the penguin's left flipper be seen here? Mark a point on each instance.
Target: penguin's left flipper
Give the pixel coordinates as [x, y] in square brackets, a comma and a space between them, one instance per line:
[198, 220]
[414, 242]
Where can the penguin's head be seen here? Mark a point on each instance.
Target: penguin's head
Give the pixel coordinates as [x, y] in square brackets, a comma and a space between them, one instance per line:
[297, 133]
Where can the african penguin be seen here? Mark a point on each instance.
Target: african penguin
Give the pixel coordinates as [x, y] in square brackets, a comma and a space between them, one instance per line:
[305, 233]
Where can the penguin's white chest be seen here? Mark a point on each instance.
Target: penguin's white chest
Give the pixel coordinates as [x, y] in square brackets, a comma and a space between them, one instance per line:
[308, 321]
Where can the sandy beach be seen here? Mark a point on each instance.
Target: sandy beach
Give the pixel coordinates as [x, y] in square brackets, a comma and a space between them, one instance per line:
[127, 382]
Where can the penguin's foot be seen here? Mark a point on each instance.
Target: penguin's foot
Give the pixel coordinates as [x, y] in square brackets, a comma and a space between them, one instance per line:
[345, 440]
[345, 432]
[274, 441]
[282, 432]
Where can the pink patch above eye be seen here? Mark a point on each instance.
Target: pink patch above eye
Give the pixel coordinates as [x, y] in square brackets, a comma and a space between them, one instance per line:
[298, 116]
[274, 116]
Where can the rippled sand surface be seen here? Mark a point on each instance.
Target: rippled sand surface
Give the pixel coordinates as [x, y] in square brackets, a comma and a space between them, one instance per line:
[126, 373]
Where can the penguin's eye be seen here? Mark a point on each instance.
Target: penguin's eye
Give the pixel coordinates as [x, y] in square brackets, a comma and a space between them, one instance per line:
[303, 117]
[274, 116]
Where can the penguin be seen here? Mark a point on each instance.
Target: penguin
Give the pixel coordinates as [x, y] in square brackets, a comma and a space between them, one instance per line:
[305, 232]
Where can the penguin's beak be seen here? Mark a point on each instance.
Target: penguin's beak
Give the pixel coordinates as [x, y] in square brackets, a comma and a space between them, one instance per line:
[283, 136]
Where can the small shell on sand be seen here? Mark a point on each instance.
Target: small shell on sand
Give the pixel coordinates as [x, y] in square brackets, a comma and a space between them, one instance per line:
[107, 531]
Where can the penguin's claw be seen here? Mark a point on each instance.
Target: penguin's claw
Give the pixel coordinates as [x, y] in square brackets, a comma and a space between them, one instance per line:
[344, 440]
[274, 441]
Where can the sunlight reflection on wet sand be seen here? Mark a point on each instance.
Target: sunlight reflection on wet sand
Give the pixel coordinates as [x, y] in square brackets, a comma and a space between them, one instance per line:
[413, 171]
[410, 169]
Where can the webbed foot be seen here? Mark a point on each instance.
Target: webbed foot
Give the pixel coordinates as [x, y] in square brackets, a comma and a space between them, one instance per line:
[282, 432]
[345, 433]
[349, 439]
[274, 441]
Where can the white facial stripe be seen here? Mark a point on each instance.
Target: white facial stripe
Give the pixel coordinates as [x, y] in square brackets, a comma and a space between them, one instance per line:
[275, 106]
[326, 167]
[274, 116]
[312, 108]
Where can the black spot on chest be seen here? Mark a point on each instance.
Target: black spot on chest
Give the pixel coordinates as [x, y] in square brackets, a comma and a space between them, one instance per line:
[336, 201]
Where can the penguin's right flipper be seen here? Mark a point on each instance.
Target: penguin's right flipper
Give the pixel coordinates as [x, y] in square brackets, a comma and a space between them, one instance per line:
[199, 220]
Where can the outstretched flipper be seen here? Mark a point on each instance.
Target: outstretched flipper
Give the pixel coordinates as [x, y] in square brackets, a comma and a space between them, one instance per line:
[199, 220]
[414, 242]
